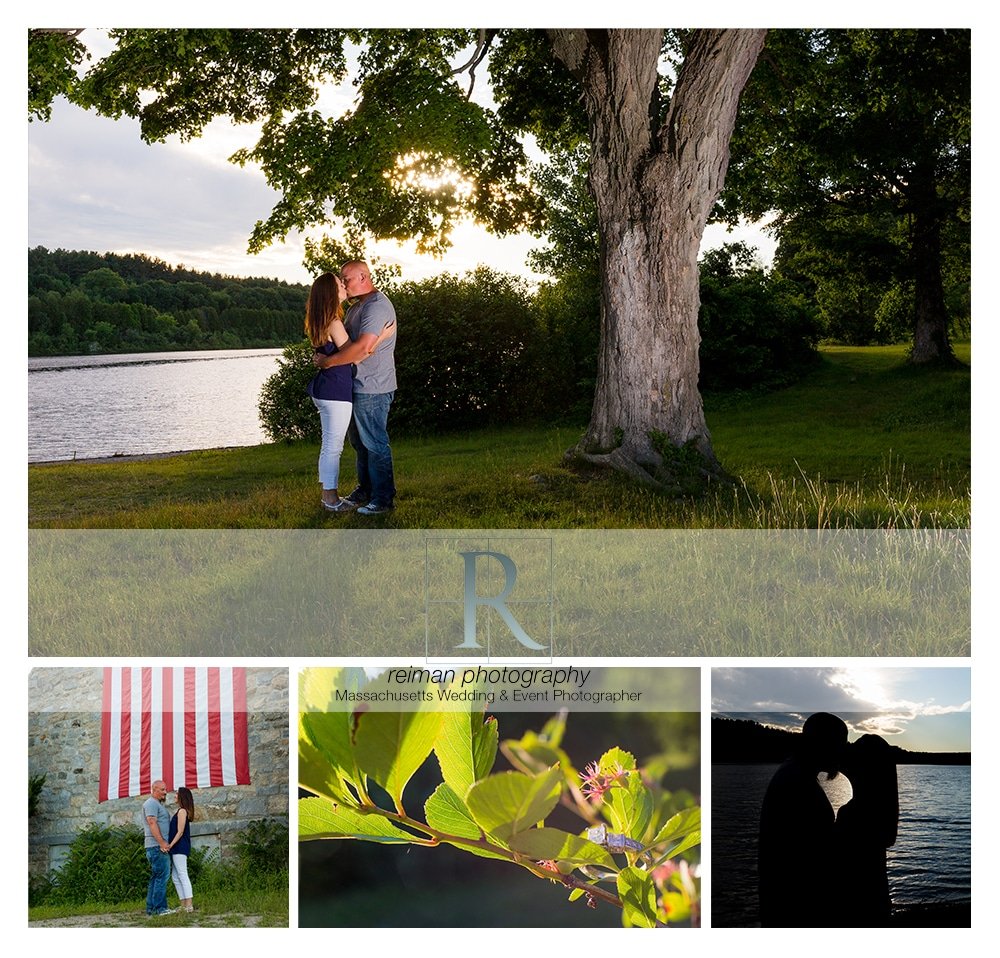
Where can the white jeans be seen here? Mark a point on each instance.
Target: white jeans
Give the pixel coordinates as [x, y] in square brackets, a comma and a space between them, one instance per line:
[179, 873]
[334, 417]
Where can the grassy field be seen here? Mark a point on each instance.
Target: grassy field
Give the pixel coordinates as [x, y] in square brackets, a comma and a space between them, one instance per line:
[216, 908]
[864, 469]
[864, 442]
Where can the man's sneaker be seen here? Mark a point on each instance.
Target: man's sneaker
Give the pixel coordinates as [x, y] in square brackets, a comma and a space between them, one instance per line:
[359, 497]
[166, 911]
[374, 509]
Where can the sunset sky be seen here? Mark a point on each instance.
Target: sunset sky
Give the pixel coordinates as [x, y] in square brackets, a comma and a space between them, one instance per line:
[924, 709]
[94, 185]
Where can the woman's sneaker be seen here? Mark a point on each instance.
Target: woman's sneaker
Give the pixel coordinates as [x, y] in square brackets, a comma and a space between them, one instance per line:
[341, 505]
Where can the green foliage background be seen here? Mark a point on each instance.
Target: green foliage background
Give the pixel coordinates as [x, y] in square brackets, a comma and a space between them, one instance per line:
[108, 865]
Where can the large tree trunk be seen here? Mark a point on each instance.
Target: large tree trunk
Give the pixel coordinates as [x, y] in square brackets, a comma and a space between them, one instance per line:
[654, 183]
[930, 327]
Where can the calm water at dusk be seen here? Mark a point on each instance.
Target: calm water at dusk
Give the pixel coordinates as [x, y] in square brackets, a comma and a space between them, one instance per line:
[85, 407]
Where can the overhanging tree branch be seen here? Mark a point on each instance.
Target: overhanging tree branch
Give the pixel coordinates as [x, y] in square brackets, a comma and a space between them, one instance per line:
[478, 55]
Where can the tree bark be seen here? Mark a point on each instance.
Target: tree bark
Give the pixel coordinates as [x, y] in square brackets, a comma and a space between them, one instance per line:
[654, 184]
[930, 328]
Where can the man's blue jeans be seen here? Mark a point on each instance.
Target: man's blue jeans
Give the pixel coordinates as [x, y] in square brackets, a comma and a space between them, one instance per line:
[367, 434]
[159, 872]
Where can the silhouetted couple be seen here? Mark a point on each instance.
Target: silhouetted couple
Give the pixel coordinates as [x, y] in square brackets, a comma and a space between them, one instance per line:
[815, 869]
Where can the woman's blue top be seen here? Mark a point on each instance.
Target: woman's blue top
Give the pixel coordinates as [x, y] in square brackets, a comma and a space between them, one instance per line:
[183, 847]
[333, 383]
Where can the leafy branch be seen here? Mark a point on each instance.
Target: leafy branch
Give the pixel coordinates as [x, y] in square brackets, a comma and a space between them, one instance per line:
[627, 854]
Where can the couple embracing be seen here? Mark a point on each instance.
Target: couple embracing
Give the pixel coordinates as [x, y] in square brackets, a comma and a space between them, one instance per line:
[355, 385]
[820, 869]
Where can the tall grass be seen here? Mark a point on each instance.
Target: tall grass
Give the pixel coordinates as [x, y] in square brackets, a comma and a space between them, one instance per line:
[614, 592]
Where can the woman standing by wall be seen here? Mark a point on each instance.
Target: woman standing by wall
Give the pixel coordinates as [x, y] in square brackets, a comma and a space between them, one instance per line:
[180, 846]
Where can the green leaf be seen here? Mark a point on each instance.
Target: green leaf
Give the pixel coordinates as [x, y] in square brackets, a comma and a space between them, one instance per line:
[513, 802]
[553, 730]
[317, 775]
[466, 748]
[391, 746]
[319, 818]
[318, 687]
[445, 812]
[638, 896]
[681, 825]
[687, 843]
[534, 753]
[330, 733]
[629, 806]
[617, 757]
[684, 829]
[560, 846]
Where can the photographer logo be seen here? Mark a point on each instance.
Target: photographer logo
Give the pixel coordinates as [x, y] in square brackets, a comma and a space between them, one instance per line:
[488, 598]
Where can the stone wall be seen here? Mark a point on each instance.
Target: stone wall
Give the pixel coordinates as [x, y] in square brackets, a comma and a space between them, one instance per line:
[64, 741]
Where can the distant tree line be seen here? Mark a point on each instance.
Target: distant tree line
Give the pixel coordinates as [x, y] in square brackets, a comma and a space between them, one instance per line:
[82, 302]
[746, 742]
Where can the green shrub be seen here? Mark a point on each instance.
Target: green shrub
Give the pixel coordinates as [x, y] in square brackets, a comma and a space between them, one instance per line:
[569, 313]
[757, 331]
[105, 864]
[469, 354]
[286, 410]
[108, 865]
[40, 889]
[479, 351]
[262, 847]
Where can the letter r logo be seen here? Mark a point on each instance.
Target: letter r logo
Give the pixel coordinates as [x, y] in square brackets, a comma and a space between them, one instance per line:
[498, 602]
[488, 597]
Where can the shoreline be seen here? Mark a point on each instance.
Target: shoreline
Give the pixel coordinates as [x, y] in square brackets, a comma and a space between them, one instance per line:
[933, 915]
[135, 457]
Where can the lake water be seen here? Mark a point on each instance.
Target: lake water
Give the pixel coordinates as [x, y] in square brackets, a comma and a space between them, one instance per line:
[930, 862]
[84, 407]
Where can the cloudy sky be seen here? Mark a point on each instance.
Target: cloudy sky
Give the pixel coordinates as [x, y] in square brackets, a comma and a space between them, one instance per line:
[925, 709]
[94, 185]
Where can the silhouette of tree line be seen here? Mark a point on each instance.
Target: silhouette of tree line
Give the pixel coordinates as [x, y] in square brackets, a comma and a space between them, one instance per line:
[745, 741]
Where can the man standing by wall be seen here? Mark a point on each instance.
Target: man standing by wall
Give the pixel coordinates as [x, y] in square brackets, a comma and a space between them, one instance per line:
[155, 824]
[374, 387]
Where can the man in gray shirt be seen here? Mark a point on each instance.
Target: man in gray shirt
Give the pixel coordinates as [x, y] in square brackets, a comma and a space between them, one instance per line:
[156, 826]
[374, 387]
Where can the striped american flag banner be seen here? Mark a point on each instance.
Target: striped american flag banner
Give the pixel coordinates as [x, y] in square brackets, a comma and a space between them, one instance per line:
[187, 726]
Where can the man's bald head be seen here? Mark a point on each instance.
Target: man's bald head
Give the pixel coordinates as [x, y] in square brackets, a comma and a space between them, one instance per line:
[357, 278]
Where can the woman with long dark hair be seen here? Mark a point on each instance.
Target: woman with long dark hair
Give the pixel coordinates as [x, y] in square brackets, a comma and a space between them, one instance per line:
[866, 827]
[180, 846]
[332, 388]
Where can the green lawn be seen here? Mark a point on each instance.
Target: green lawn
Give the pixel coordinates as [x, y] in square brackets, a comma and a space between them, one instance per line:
[215, 908]
[864, 442]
